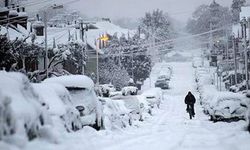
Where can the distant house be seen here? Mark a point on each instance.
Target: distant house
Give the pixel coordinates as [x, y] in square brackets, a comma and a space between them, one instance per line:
[97, 31]
[93, 36]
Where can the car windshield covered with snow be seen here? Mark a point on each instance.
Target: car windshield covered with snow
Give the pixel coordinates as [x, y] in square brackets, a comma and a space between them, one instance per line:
[81, 89]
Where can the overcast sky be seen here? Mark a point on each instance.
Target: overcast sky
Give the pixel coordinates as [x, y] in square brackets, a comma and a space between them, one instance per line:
[179, 9]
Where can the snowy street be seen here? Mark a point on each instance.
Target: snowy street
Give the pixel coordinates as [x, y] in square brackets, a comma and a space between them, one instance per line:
[124, 75]
[169, 128]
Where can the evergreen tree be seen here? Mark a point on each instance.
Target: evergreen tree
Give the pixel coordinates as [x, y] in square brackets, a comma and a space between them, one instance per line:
[207, 17]
[236, 9]
[110, 72]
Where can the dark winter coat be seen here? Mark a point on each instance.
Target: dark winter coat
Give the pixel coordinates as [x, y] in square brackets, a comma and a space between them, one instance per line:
[190, 99]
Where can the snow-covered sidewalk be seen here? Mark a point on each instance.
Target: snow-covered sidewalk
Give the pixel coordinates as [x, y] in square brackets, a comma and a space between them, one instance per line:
[169, 128]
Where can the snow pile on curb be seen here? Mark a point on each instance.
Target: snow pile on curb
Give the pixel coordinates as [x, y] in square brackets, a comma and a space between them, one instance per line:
[23, 113]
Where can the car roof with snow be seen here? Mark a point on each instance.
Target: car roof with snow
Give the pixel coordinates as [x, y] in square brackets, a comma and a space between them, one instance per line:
[72, 81]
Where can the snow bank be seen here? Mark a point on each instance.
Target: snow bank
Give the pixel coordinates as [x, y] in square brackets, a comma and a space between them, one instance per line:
[77, 81]
[23, 111]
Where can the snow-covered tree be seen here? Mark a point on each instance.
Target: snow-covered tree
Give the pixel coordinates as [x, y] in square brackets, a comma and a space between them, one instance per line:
[18, 55]
[131, 54]
[111, 73]
[236, 9]
[157, 23]
[72, 55]
[207, 17]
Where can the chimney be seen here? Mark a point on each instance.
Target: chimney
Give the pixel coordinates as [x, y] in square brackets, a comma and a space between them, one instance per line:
[6, 3]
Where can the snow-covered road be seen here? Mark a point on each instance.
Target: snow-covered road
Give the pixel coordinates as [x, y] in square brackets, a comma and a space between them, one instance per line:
[169, 128]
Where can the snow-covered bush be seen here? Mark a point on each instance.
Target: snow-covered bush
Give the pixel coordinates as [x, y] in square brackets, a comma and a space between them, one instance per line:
[116, 115]
[22, 113]
[59, 104]
[112, 73]
[129, 90]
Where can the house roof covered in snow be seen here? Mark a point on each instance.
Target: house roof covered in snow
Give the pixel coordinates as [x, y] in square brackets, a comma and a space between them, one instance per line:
[103, 28]
[62, 35]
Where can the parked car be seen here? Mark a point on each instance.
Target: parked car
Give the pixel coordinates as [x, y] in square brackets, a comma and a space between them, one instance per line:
[129, 90]
[60, 106]
[106, 89]
[22, 113]
[132, 103]
[84, 99]
[166, 77]
[144, 106]
[116, 115]
[162, 83]
[154, 96]
[226, 106]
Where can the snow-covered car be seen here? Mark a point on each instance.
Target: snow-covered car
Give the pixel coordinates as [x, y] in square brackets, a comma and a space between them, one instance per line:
[60, 105]
[129, 90]
[248, 120]
[84, 99]
[162, 83]
[132, 103]
[226, 106]
[106, 89]
[144, 106]
[166, 77]
[153, 96]
[22, 113]
[115, 113]
[197, 62]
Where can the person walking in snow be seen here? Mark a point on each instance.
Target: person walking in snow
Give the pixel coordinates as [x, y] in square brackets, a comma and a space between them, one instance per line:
[190, 101]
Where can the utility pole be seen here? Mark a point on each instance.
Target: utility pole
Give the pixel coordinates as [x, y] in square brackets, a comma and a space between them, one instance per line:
[97, 67]
[235, 60]
[46, 43]
[244, 26]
